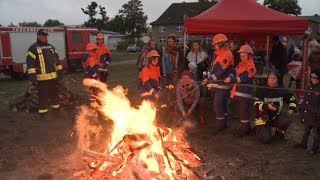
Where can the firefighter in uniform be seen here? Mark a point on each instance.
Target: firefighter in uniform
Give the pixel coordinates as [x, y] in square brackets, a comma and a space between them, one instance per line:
[221, 68]
[269, 104]
[104, 56]
[91, 66]
[149, 78]
[44, 71]
[243, 74]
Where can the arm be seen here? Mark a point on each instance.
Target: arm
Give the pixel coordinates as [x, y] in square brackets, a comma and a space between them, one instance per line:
[290, 100]
[59, 67]
[31, 59]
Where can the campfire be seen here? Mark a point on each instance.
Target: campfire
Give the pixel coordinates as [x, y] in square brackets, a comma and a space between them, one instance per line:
[138, 147]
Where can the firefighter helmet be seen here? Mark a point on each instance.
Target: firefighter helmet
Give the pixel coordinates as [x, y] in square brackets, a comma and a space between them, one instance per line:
[153, 53]
[91, 46]
[246, 49]
[100, 36]
[219, 38]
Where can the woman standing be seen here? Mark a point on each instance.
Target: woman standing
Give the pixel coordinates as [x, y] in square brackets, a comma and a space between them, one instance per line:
[143, 57]
[197, 61]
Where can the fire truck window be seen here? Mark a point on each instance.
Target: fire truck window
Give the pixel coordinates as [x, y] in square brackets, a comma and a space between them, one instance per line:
[76, 38]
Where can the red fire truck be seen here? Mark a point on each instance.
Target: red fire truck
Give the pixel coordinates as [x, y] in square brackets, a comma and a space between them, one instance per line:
[15, 41]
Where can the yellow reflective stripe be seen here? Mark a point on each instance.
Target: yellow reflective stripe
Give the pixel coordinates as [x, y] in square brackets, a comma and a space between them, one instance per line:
[48, 76]
[280, 107]
[260, 107]
[59, 67]
[292, 105]
[257, 102]
[55, 106]
[43, 110]
[292, 98]
[41, 61]
[32, 55]
[31, 70]
[259, 122]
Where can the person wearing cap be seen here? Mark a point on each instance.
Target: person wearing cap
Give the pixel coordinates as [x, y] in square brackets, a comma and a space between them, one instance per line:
[220, 69]
[149, 78]
[243, 74]
[268, 103]
[44, 71]
[188, 95]
[91, 66]
[310, 114]
[143, 57]
[104, 56]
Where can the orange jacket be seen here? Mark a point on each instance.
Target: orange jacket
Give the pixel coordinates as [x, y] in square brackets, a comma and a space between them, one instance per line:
[104, 55]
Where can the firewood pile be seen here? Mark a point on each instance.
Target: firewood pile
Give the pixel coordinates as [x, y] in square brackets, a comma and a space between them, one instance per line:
[140, 156]
[28, 99]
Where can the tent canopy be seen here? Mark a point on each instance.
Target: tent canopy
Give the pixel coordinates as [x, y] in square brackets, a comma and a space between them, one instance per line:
[244, 17]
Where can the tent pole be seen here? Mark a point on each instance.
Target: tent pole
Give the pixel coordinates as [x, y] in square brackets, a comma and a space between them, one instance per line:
[305, 73]
[267, 55]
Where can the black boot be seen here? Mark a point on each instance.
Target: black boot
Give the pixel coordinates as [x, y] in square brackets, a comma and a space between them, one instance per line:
[243, 130]
[220, 126]
[316, 146]
[304, 142]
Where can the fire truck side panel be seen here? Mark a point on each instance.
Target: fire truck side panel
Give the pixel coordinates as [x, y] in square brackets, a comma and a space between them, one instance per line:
[21, 41]
[5, 52]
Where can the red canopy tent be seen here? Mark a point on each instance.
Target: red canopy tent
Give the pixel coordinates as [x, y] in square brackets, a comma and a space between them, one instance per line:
[244, 17]
[247, 18]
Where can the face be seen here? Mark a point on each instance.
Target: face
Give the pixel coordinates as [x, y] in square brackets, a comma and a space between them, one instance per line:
[43, 38]
[196, 46]
[314, 80]
[272, 80]
[244, 56]
[171, 42]
[100, 41]
[153, 44]
[186, 80]
[154, 60]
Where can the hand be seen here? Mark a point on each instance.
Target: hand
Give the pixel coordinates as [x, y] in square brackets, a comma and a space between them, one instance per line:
[94, 75]
[184, 114]
[227, 80]
[189, 112]
[156, 96]
[271, 107]
[205, 81]
[290, 112]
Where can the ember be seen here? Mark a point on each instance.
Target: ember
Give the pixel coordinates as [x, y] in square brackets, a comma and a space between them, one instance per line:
[138, 148]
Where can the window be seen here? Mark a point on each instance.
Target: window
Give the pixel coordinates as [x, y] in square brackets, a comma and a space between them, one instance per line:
[207, 39]
[76, 37]
[162, 40]
[162, 29]
[179, 39]
[179, 28]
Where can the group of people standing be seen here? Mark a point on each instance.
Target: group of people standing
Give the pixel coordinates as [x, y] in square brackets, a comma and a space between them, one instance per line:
[167, 67]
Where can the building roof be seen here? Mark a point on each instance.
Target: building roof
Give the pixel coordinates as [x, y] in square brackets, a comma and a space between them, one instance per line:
[177, 12]
[315, 18]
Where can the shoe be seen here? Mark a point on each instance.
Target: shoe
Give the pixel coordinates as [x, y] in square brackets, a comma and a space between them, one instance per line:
[243, 130]
[300, 146]
[314, 151]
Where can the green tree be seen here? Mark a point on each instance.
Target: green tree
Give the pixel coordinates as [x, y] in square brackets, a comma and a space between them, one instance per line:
[29, 24]
[91, 12]
[12, 25]
[135, 20]
[103, 22]
[0, 25]
[52, 23]
[290, 7]
[117, 24]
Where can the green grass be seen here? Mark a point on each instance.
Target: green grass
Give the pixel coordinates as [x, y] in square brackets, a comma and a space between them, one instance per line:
[118, 56]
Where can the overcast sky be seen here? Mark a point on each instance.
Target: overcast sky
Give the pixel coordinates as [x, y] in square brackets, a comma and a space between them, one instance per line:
[69, 12]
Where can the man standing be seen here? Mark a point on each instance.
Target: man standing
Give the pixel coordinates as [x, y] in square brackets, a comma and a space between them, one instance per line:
[278, 58]
[104, 56]
[44, 71]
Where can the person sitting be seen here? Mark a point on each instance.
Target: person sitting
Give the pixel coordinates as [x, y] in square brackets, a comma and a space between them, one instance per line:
[269, 104]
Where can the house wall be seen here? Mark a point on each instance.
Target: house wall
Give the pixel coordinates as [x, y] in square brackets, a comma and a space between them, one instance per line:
[315, 34]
